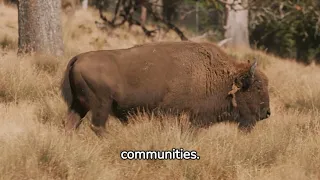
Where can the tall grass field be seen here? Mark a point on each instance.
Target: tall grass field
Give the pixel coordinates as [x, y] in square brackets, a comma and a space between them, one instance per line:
[33, 144]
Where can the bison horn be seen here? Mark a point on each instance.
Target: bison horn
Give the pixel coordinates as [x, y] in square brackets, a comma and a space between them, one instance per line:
[223, 42]
[253, 68]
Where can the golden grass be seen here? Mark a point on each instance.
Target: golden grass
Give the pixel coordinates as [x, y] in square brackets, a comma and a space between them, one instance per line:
[33, 144]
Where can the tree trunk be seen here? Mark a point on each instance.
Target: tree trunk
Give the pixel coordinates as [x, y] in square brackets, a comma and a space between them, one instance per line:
[157, 6]
[237, 24]
[143, 16]
[197, 17]
[170, 10]
[85, 4]
[40, 27]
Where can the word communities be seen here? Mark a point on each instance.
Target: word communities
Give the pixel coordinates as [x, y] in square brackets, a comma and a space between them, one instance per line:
[160, 155]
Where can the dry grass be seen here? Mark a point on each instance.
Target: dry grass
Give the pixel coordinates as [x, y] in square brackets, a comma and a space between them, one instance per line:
[33, 145]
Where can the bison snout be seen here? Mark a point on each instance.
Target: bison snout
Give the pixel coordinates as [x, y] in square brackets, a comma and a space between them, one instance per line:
[265, 113]
[268, 113]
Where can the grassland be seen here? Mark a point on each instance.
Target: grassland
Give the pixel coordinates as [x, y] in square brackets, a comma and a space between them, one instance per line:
[33, 145]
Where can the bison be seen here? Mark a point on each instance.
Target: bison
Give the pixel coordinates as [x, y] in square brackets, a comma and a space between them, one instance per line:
[198, 78]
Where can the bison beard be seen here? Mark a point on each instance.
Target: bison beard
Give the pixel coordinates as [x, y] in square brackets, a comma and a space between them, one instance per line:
[198, 78]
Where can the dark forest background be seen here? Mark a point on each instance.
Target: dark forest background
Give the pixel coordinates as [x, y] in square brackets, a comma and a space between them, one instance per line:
[289, 29]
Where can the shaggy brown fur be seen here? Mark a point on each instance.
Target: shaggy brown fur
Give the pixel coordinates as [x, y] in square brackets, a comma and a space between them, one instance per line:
[198, 78]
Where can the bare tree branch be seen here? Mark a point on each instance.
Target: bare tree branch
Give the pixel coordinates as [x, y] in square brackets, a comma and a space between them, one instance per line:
[110, 23]
[126, 8]
[167, 23]
[116, 11]
[131, 20]
[186, 14]
[127, 17]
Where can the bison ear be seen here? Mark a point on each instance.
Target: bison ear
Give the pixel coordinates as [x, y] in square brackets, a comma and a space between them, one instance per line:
[246, 80]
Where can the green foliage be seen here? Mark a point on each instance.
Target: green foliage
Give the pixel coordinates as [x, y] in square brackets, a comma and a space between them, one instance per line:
[286, 28]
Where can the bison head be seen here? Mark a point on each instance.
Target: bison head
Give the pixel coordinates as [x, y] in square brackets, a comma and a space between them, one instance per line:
[250, 96]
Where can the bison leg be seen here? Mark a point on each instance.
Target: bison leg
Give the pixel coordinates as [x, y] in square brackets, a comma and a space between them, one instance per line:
[99, 118]
[119, 113]
[75, 114]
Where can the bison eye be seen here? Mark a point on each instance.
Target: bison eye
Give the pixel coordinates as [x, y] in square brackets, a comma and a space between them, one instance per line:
[246, 83]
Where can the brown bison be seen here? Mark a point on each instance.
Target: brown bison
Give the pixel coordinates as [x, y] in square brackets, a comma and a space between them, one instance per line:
[197, 78]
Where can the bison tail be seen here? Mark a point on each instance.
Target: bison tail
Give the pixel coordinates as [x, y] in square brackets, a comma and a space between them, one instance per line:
[66, 89]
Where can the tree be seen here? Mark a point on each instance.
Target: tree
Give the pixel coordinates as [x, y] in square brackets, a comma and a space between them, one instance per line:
[40, 27]
[125, 10]
[143, 16]
[237, 23]
[170, 7]
[236, 15]
[85, 4]
[286, 28]
[156, 6]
